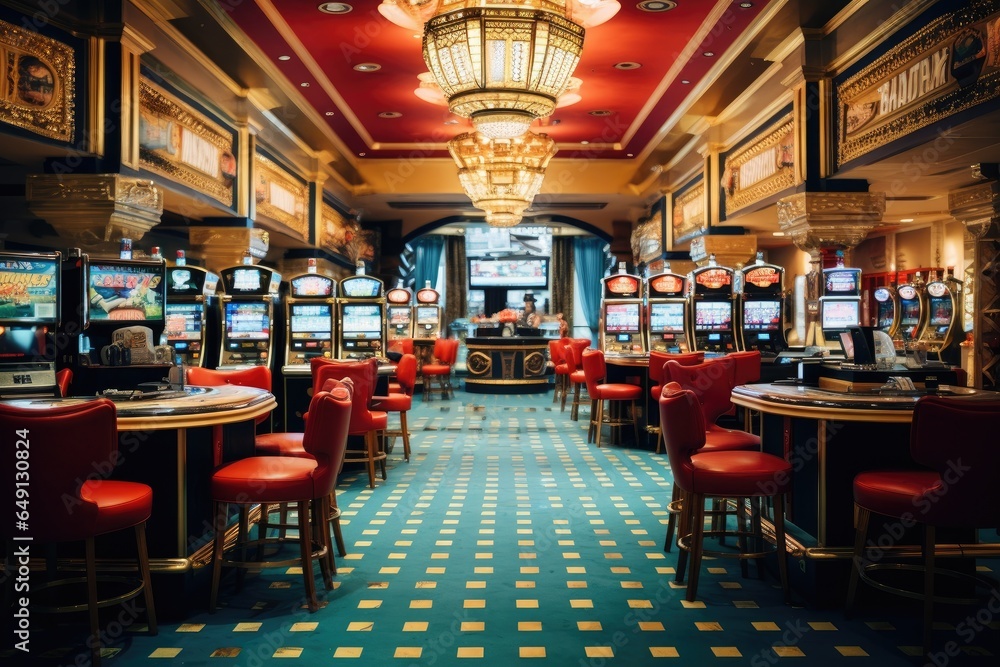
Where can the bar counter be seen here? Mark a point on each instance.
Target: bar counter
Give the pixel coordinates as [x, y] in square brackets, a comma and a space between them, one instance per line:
[506, 365]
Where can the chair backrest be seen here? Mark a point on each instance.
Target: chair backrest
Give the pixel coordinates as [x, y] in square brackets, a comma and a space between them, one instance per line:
[326, 436]
[363, 375]
[658, 359]
[253, 376]
[556, 351]
[957, 437]
[64, 379]
[406, 373]
[711, 381]
[68, 445]
[683, 426]
[747, 367]
[594, 369]
[452, 351]
[441, 349]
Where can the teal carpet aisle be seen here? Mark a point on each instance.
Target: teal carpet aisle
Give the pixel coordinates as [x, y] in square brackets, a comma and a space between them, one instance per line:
[507, 539]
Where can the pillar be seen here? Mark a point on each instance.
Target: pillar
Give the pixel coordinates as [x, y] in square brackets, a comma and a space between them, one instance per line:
[220, 247]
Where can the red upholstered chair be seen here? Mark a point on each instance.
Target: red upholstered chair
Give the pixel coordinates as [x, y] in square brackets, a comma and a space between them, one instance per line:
[64, 379]
[445, 353]
[601, 390]
[306, 481]
[557, 354]
[573, 354]
[401, 401]
[955, 441]
[65, 443]
[253, 376]
[745, 371]
[656, 362]
[400, 346]
[744, 475]
[365, 422]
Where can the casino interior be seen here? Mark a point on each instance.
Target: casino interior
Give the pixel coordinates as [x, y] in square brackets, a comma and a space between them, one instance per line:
[285, 287]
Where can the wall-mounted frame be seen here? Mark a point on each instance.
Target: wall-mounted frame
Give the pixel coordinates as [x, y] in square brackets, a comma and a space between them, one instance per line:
[280, 196]
[38, 84]
[689, 211]
[762, 167]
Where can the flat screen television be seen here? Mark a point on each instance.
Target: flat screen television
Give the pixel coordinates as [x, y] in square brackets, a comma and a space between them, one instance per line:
[428, 315]
[666, 317]
[714, 316]
[310, 320]
[508, 272]
[24, 343]
[125, 291]
[183, 321]
[399, 314]
[29, 288]
[940, 311]
[247, 320]
[761, 315]
[621, 317]
[839, 315]
[361, 319]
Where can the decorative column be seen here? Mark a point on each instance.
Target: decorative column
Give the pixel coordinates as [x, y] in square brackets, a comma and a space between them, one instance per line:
[978, 208]
[732, 250]
[222, 247]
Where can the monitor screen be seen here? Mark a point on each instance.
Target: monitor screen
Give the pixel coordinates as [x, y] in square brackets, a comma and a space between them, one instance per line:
[29, 288]
[312, 285]
[362, 321]
[428, 315]
[941, 311]
[621, 317]
[847, 343]
[359, 287]
[842, 282]
[886, 314]
[838, 315]
[910, 315]
[761, 315]
[247, 280]
[713, 315]
[666, 317]
[311, 320]
[399, 314]
[248, 320]
[509, 272]
[123, 291]
[24, 343]
[183, 321]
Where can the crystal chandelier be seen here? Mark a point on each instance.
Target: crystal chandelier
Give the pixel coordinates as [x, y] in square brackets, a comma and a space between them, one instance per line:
[429, 91]
[502, 176]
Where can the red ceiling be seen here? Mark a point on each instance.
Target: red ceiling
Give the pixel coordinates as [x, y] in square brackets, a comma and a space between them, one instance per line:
[339, 42]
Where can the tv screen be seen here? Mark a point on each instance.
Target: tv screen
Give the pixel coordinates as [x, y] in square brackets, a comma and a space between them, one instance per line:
[183, 321]
[621, 317]
[666, 317]
[312, 285]
[247, 320]
[509, 272]
[713, 315]
[399, 314]
[123, 291]
[761, 315]
[427, 315]
[29, 288]
[311, 320]
[24, 343]
[843, 282]
[911, 312]
[839, 315]
[362, 321]
[940, 312]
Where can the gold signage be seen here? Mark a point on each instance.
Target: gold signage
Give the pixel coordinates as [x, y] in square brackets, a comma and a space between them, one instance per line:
[762, 277]
[280, 196]
[689, 213]
[38, 83]
[714, 278]
[761, 169]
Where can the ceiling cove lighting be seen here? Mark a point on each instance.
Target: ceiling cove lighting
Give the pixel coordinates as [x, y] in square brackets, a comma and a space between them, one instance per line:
[502, 176]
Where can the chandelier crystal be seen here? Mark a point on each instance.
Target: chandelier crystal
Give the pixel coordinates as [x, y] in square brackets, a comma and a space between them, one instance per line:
[409, 14]
[502, 176]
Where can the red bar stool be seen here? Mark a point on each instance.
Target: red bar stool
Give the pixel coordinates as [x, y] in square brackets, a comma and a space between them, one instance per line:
[308, 482]
[615, 393]
[743, 475]
[64, 443]
[573, 354]
[746, 370]
[254, 376]
[560, 368]
[64, 379]
[400, 401]
[656, 362]
[955, 440]
[445, 353]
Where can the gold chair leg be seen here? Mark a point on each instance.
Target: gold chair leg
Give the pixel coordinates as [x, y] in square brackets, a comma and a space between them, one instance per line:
[370, 447]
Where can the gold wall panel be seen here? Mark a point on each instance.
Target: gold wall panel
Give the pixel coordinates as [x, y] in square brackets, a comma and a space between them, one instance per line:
[771, 156]
[37, 88]
[280, 196]
[689, 214]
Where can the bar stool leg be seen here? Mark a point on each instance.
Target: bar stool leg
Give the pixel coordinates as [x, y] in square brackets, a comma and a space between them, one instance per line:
[147, 580]
[305, 550]
[406, 435]
[697, 540]
[95, 632]
[929, 540]
[781, 544]
[219, 537]
[861, 519]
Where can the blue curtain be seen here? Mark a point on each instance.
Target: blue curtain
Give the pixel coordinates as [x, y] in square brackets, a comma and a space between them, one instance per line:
[588, 256]
[427, 257]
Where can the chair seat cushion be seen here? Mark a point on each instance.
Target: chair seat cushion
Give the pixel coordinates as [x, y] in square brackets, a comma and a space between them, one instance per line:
[655, 391]
[378, 421]
[435, 369]
[273, 479]
[120, 505]
[618, 392]
[393, 402]
[562, 369]
[280, 444]
[718, 438]
[738, 473]
[578, 377]
[896, 493]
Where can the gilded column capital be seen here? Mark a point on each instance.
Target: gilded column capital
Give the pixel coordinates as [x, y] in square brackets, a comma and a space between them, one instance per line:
[729, 250]
[977, 206]
[222, 247]
[816, 220]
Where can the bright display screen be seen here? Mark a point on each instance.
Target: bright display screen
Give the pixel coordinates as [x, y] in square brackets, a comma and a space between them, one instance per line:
[842, 283]
[885, 315]
[360, 287]
[310, 285]
[24, 343]
[911, 312]
[399, 314]
[761, 315]
[666, 317]
[29, 288]
[362, 321]
[427, 315]
[247, 280]
[713, 315]
[311, 320]
[125, 292]
[509, 272]
[940, 312]
[841, 314]
[247, 320]
[621, 318]
[183, 321]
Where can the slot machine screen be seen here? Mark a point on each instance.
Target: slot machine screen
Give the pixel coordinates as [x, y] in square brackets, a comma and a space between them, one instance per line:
[761, 315]
[124, 292]
[841, 314]
[842, 283]
[911, 312]
[183, 321]
[362, 321]
[247, 320]
[360, 287]
[312, 320]
[399, 315]
[312, 285]
[427, 315]
[666, 317]
[940, 312]
[621, 318]
[247, 280]
[29, 288]
[714, 316]
[24, 343]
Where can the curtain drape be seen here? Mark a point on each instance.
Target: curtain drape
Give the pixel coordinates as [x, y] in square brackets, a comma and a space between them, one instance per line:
[427, 260]
[561, 279]
[588, 254]
[456, 272]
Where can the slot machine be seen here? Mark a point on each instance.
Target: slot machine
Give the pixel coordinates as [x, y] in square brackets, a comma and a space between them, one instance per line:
[361, 318]
[247, 315]
[939, 324]
[621, 331]
[911, 313]
[309, 310]
[666, 313]
[190, 299]
[762, 321]
[427, 313]
[29, 318]
[840, 305]
[712, 300]
[887, 310]
[399, 313]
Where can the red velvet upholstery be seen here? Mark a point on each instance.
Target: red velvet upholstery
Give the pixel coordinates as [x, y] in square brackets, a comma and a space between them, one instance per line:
[726, 474]
[253, 376]
[402, 401]
[712, 381]
[596, 373]
[64, 379]
[658, 359]
[69, 502]
[747, 367]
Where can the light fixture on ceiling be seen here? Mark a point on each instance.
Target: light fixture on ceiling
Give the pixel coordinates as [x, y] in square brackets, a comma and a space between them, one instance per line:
[502, 176]
[367, 67]
[906, 219]
[409, 14]
[335, 8]
[429, 91]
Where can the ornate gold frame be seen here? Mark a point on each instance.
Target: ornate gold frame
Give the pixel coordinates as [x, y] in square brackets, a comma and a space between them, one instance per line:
[782, 179]
[686, 229]
[265, 172]
[54, 117]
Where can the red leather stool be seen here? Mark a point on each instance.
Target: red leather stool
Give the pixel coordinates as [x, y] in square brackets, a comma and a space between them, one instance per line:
[616, 392]
[560, 368]
[401, 401]
[573, 353]
[64, 379]
[656, 362]
[254, 376]
[445, 354]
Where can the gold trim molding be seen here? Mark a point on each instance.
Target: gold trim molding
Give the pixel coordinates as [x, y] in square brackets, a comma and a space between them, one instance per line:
[729, 250]
[817, 220]
[280, 197]
[778, 141]
[689, 218]
[336, 232]
[38, 84]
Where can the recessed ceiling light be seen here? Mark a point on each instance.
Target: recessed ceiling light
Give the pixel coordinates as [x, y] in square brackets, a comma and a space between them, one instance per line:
[367, 67]
[304, 84]
[685, 81]
[656, 5]
[627, 65]
[335, 8]
[746, 5]
[777, 233]
[708, 54]
[284, 57]
[451, 121]
[584, 142]
[906, 219]
[330, 113]
[390, 114]
[629, 155]
[600, 112]
[361, 154]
